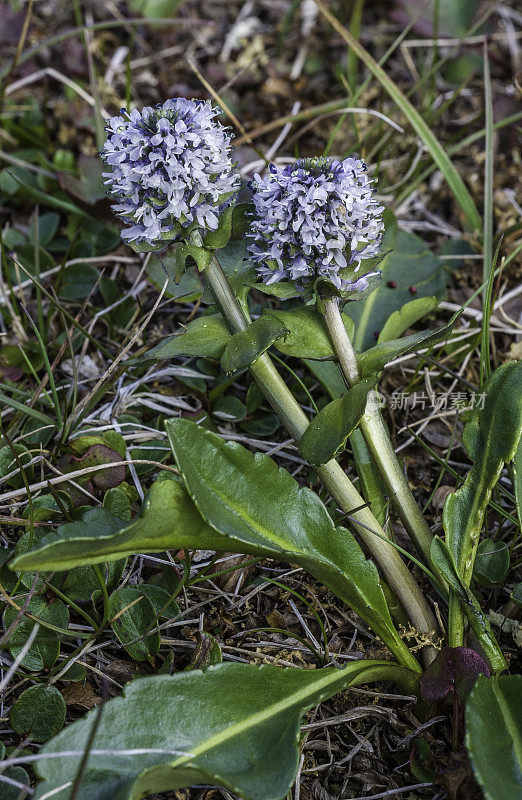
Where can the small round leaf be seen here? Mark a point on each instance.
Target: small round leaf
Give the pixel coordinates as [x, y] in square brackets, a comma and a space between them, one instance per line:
[39, 713]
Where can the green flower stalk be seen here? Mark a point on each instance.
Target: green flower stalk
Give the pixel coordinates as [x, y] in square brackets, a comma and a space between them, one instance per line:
[316, 224]
[377, 438]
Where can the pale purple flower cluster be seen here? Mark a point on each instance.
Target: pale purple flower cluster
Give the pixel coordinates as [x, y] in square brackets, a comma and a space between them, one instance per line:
[316, 218]
[171, 169]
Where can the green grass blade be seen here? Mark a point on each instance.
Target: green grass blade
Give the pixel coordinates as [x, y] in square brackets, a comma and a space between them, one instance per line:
[488, 174]
[47, 363]
[455, 182]
[31, 412]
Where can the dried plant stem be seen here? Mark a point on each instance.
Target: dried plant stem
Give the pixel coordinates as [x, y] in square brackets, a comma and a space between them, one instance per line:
[331, 474]
[378, 440]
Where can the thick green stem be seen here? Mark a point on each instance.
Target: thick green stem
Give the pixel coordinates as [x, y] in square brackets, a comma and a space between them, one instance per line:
[378, 440]
[455, 622]
[331, 474]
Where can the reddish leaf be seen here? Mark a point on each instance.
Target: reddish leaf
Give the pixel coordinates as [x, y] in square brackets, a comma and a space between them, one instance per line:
[454, 19]
[101, 454]
[453, 672]
[9, 373]
[11, 24]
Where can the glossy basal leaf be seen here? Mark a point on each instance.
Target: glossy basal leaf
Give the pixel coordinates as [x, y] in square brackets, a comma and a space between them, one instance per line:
[374, 359]
[308, 335]
[117, 502]
[402, 319]
[79, 584]
[229, 409]
[47, 227]
[245, 347]
[204, 337]
[98, 455]
[494, 735]
[254, 503]
[232, 725]
[409, 268]
[13, 791]
[163, 604]
[133, 620]
[491, 438]
[167, 519]
[330, 428]
[261, 424]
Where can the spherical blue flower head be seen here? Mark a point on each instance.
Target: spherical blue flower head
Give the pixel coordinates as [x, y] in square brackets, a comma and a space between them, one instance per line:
[316, 218]
[171, 169]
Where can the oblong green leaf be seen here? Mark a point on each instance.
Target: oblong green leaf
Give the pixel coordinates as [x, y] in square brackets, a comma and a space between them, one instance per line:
[491, 438]
[168, 519]
[204, 337]
[442, 559]
[374, 359]
[273, 518]
[245, 347]
[491, 563]
[330, 428]
[308, 336]
[250, 499]
[494, 735]
[232, 725]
